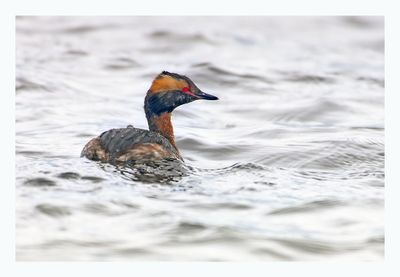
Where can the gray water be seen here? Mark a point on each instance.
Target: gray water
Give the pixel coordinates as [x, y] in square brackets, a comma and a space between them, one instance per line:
[287, 165]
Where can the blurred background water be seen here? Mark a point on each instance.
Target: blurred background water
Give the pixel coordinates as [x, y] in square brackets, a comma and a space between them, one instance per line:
[287, 165]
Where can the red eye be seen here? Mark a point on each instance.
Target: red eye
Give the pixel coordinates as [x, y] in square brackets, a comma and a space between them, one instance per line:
[185, 89]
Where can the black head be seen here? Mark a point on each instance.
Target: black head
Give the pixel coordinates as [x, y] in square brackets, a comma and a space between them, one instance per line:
[170, 90]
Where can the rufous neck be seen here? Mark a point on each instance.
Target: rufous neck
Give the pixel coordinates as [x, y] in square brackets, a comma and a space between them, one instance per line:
[162, 124]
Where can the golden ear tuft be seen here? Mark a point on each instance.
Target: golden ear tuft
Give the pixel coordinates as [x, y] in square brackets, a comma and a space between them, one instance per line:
[165, 83]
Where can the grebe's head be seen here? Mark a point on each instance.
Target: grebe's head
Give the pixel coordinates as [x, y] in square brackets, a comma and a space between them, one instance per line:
[170, 90]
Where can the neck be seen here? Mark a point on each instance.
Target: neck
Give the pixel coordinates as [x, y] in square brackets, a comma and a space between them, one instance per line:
[162, 124]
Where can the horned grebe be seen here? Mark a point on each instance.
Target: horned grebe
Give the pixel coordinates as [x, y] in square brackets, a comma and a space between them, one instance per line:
[168, 91]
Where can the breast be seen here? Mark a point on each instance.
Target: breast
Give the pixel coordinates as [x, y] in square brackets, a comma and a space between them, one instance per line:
[129, 144]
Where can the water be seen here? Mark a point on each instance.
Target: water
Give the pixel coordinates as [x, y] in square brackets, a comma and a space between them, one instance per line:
[287, 165]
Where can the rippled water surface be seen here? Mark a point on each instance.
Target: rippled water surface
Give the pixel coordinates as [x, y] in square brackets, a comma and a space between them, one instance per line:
[287, 165]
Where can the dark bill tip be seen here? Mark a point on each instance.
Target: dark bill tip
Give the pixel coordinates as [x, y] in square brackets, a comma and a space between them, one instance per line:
[206, 96]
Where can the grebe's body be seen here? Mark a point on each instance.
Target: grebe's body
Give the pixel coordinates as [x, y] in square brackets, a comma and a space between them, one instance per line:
[168, 91]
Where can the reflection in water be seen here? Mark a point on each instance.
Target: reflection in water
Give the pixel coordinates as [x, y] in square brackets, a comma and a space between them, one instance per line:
[167, 171]
[289, 165]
